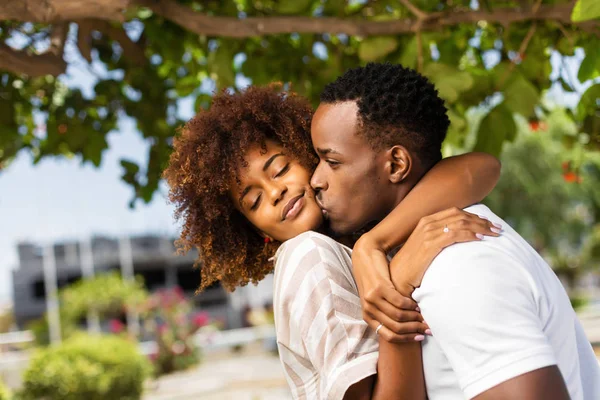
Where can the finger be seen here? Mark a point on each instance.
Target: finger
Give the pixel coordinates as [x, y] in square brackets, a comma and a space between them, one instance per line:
[390, 295]
[392, 337]
[373, 324]
[401, 327]
[400, 315]
[458, 237]
[464, 222]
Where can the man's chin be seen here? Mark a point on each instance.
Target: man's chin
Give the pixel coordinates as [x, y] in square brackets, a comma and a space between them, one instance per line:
[345, 228]
[337, 228]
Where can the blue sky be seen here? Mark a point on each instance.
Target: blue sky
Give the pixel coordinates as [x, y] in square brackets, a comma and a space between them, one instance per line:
[59, 199]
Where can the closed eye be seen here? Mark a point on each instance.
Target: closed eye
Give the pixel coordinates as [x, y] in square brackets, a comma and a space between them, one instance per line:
[256, 203]
[283, 171]
[332, 163]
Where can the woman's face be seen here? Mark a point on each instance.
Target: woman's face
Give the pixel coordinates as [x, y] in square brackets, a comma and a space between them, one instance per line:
[274, 194]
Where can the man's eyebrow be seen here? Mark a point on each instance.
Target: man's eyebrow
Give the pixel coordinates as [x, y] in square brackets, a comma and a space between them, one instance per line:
[326, 151]
[270, 161]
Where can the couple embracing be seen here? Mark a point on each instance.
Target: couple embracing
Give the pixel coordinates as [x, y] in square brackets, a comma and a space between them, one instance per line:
[439, 299]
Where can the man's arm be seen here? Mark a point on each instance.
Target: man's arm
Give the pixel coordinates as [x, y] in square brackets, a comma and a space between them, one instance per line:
[542, 384]
[458, 181]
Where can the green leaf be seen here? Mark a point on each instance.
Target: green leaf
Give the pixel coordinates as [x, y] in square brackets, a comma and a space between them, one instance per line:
[448, 80]
[374, 48]
[590, 102]
[585, 10]
[221, 65]
[590, 66]
[495, 128]
[409, 54]
[293, 6]
[520, 96]
[186, 86]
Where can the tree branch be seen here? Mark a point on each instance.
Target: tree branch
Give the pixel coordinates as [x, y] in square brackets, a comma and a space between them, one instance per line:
[131, 50]
[58, 36]
[21, 62]
[414, 9]
[50, 11]
[84, 39]
[258, 26]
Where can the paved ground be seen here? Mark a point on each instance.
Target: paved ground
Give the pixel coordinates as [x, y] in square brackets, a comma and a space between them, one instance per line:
[253, 374]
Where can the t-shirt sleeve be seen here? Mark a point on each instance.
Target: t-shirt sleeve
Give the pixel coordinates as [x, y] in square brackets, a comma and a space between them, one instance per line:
[326, 344]
[484, 317]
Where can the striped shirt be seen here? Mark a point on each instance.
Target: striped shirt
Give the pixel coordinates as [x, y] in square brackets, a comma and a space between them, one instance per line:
[324, 344]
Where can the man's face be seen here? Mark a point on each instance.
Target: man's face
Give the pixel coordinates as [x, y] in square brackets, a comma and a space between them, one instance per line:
[350, 180]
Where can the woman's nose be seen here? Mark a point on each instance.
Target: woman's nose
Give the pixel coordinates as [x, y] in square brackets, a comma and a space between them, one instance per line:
[277, 192]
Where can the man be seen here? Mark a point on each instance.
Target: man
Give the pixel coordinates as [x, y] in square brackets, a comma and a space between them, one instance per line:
[502, 324]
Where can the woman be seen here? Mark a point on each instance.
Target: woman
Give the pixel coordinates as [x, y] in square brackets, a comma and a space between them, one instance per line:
[221, 175]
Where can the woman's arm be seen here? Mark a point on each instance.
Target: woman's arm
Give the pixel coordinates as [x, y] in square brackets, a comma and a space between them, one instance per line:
[453, 182]
[398, 362]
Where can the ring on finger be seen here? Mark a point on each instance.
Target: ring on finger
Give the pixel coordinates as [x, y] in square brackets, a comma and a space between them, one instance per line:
[378, 328]
[446, 229]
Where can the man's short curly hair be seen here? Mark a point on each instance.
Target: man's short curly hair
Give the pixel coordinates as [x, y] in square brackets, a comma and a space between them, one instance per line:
[396, 105]
[207, 153]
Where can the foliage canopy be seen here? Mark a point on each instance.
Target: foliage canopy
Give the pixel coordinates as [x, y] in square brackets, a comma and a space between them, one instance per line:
[144, 56]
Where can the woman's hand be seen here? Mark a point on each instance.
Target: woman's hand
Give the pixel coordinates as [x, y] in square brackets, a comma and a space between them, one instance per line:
[380, 301]
[387, 301]
[430, 237]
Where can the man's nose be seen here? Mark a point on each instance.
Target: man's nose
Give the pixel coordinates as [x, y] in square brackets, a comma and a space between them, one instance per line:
[318, 181]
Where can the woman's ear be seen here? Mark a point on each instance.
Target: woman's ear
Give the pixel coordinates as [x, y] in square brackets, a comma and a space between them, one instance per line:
[399, 163]
[266, 237]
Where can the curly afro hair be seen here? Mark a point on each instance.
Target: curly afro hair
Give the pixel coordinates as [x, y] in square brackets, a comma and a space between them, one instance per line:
[204, 162]
[396, 105]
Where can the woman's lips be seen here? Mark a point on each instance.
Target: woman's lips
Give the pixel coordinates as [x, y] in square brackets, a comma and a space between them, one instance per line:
[293, 207]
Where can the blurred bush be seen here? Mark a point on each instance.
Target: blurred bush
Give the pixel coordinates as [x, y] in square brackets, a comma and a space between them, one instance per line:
[107, 294]
[41, 330]
[169, 317]
[4, 392]
[87, 367]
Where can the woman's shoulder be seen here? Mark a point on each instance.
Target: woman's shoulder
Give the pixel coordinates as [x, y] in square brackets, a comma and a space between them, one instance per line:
[312, 253]
[315, 238]
[311, 241]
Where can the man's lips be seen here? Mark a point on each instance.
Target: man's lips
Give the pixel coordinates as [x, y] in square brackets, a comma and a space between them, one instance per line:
[289, 207]
[320, 204]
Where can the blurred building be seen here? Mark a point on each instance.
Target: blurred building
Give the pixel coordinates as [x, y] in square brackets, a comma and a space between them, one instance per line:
[153, 258]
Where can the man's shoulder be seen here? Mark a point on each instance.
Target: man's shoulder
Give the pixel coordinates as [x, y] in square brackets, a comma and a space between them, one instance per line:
[489, 259]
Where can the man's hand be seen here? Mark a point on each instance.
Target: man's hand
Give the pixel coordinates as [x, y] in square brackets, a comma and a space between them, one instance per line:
[381, 303]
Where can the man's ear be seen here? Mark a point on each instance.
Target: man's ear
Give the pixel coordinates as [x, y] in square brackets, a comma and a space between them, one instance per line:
[399, 163]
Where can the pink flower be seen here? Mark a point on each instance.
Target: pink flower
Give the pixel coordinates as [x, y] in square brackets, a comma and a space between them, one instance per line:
[179, 292]
[178, 347]
[162, 329]
[116, 326]
[200, 319]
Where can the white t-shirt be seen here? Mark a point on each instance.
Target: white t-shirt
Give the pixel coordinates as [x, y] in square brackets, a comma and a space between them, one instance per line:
[498, 311]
